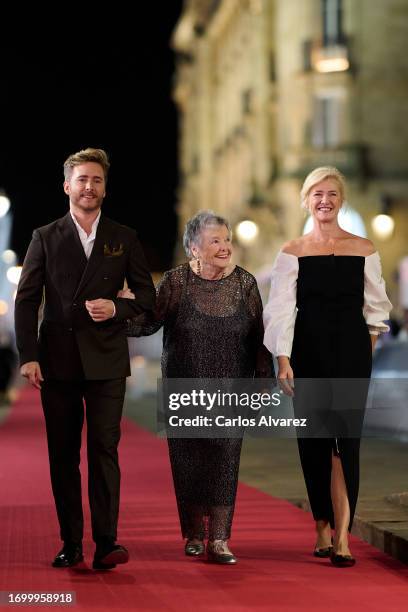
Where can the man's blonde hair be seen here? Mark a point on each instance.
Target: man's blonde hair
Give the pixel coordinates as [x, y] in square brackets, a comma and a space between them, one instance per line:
[82, 157]
[317, 176]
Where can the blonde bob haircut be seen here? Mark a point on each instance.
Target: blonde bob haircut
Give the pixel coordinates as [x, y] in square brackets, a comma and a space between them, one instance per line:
[317, 176]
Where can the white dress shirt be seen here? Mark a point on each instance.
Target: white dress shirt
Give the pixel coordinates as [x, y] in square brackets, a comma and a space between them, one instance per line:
[87, 241]
[280, 311]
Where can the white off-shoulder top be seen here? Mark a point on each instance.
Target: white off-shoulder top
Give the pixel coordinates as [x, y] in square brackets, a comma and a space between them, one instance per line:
[280, 311]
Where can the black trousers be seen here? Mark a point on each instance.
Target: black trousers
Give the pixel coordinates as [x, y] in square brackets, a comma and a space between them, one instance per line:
[63, 405]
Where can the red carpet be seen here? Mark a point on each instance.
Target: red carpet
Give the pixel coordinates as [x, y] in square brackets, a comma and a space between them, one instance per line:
[272, 539]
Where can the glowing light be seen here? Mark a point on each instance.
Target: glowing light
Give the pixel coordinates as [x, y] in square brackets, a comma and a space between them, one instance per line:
[4, 205]
[9, 257]
[138, 361]
[247, 231]
[3, 308]
[383, 226]
[335, 64]
[331, 59]
[13, 274]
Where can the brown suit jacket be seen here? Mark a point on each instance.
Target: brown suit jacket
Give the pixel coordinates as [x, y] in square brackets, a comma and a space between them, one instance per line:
[69, 344]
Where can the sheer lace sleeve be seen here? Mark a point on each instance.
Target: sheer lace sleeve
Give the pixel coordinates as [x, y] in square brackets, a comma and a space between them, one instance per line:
[264, 362]
[149, 323]
[280, 311]
[377, 306]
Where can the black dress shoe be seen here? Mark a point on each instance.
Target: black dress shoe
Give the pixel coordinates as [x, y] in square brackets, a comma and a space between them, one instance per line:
[110, 556]
[68, 556]
[192, 549]
[342, 560]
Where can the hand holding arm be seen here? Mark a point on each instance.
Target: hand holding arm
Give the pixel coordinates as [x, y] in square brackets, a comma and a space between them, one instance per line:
[150, 322]
[140, 283]
[100, 309]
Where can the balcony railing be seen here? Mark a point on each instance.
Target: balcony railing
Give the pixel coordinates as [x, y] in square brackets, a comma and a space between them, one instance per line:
[349, 159]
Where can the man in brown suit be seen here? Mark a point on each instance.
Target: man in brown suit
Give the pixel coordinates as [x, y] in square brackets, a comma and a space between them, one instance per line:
[79, 263]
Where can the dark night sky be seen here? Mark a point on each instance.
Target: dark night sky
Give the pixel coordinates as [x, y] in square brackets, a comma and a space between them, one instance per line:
[85, 81]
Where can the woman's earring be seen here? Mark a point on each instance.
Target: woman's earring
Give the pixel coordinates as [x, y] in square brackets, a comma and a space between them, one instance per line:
[198, 267]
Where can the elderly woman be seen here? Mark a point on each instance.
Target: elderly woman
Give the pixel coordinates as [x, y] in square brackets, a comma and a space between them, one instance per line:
[211, 311]
[324, 314]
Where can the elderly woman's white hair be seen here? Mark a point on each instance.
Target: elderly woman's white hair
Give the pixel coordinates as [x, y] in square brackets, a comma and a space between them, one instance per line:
[195, 226]
[317, 176]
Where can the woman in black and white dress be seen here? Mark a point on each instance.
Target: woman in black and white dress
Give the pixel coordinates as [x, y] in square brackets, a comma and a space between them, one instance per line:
[326, 308]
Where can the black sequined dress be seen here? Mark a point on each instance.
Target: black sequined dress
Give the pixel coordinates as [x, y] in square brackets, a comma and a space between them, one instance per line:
[212, 329]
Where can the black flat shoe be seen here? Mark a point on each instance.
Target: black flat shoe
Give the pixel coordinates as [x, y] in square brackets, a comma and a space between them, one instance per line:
[194, 550]
[68, 556]
[110, 556]
[323, 553]
[342, 560]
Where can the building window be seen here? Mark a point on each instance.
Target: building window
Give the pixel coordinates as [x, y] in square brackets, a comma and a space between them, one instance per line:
[328, 118]
[331, 54]
[247, 101]
[332, 22]
[307, 47]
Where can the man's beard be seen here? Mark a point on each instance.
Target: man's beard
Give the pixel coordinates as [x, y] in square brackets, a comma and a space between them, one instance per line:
[90, 206]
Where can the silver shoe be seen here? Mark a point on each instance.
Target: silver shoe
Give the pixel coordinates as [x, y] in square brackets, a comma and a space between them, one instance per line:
[218, 552]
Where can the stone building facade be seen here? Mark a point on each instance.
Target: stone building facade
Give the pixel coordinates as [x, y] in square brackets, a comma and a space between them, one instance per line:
[269, 89]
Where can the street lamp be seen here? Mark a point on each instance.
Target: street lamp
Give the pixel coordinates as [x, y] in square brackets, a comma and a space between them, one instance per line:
[246, 232]
[13, 274]
[383, 224]
[9, 257]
